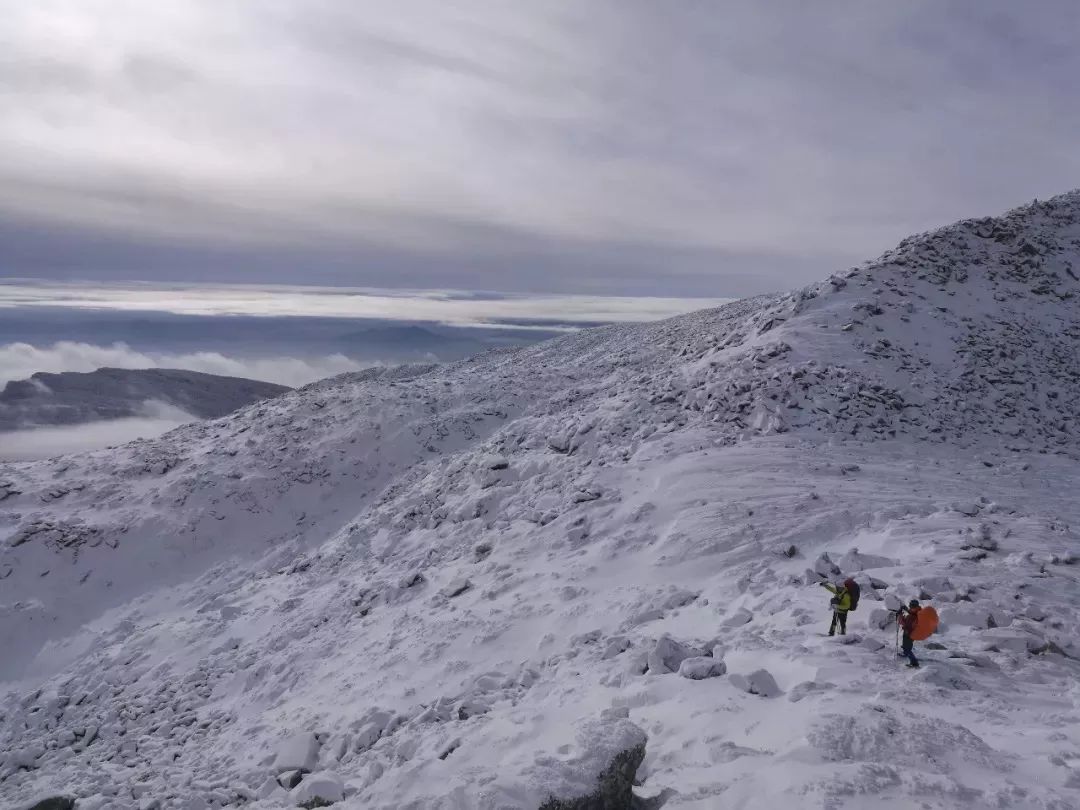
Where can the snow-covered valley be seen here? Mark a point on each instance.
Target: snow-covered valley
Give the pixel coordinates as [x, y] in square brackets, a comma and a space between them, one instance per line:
[480, 585]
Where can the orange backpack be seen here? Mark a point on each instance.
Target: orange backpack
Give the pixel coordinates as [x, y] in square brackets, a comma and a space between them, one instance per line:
[926, 622]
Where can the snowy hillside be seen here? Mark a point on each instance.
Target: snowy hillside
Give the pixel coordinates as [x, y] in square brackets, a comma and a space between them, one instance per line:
[507, 582]
[72, 398]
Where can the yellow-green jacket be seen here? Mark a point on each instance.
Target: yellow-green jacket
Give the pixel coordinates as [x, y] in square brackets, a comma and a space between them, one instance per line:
[843, 596]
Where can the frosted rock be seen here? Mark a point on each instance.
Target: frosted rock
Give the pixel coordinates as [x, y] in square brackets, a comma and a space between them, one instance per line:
[825, 567]
[615, 645]
[324, 785]
[758, 682]
[668, 654]
[931, 586]
[969, 508]
[1011, 640]
[645, 616]
[679, 599]
[299, 752]
[967, 616]
[289, 779]
[806, 688]
[699, 668]
[268, 788]
[600, 775]
[738, 618]
[855, 560]
[52, 803]
[880, 619]
[456, 587]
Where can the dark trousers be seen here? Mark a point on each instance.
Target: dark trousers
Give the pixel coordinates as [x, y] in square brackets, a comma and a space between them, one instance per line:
[906, 647]
[839, 617]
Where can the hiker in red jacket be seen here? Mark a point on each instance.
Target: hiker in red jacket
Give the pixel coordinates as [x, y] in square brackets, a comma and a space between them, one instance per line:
[908, 617]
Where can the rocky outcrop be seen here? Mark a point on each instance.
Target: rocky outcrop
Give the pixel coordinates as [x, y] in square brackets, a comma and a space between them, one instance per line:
[614, 786]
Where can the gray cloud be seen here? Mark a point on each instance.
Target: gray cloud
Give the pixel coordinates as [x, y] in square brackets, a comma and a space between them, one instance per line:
[703, 148]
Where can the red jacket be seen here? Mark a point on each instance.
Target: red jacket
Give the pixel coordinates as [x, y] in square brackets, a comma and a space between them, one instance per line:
[908, 619]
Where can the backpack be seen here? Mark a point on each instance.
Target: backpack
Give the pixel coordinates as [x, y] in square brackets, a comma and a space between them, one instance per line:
[926, 622]
[853, 589]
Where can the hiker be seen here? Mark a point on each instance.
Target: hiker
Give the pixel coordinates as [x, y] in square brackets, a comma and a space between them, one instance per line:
[844, 600]
[908, 617]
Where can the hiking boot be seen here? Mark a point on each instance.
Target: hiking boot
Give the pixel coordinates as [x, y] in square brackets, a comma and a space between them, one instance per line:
[912, 666]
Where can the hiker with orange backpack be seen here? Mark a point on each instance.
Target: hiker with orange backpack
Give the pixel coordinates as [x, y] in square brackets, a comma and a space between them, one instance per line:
[908, 619]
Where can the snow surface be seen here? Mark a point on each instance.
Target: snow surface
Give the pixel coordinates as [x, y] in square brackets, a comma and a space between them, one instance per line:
[473, 585]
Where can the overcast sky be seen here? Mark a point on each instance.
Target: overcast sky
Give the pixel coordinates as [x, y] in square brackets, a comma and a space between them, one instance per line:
[622, 147]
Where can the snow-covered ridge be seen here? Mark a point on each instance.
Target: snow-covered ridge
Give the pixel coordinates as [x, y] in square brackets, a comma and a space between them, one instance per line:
[430, 580]
[71, 398]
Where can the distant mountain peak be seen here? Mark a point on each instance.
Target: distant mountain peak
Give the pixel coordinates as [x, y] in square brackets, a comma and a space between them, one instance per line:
[70, 398]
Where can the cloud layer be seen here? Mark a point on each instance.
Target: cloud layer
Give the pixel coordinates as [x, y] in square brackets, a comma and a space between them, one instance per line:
[31, 445]
[20, 360]
[601, 146]
[460, 308]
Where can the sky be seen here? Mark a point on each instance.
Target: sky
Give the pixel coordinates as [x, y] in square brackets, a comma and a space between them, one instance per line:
[595, 147]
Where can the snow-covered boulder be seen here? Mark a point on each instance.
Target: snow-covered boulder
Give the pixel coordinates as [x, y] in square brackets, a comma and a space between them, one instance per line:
[456, 587]
[1008, 639]
[680, 598]
[52, 803]
[806, 688]
[758, 682]
[929, 587]
[738, 618]
[855, 560]
[601, 773]
[880, 619]
[825, 567]
[701, 667]
[298, 752]
[967, 616]
[325, 786]
[668, 654]
[615, 646]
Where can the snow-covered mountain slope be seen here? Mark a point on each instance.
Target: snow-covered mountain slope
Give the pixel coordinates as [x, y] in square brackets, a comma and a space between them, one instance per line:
[72, 398]
[476, 585]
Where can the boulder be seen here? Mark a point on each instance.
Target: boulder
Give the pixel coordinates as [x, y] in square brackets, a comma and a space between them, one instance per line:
[701, 667]
[298, 752]
[668, 655]
[601, 777]
[737, 619]
[967, 616]
[806, 688]
[855, 560]
[615, 646]
[758, 682]
[825, 567]
[53, 803]
[881, 619]
[1006, 639]
[289, 779]
[456, 587]
[680, 598]
[324, 787]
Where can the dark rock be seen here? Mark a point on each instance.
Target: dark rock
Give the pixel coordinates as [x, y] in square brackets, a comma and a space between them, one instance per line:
[54, 803]
[615, 788]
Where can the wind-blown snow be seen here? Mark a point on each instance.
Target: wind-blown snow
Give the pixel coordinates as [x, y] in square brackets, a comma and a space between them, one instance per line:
[461, 582]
